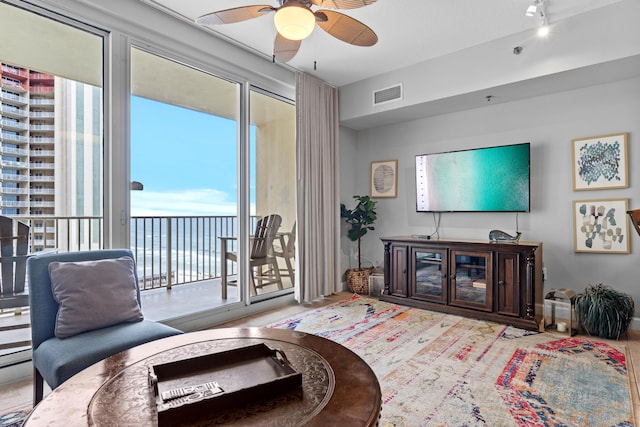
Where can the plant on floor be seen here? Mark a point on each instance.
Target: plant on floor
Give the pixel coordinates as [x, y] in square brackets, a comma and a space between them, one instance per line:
[360, 220]
[603, 311]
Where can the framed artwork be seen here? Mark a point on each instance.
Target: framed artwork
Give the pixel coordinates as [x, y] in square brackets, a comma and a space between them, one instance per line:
[384, 178]
[601, 226]
[600, 162]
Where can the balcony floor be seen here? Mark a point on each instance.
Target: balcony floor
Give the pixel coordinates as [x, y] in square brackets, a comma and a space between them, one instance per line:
[157, 304]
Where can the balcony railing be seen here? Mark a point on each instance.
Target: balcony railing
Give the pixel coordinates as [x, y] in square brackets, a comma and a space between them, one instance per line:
[13, 137]
[169, 250]
[41, 101]
[173, 250]
[14, 124]
[13, 150]
[8, 96]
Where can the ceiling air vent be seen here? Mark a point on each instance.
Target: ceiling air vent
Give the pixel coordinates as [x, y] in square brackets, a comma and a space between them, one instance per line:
[389, 94]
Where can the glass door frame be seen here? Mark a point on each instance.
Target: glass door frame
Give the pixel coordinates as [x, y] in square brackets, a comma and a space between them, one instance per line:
[258, 90]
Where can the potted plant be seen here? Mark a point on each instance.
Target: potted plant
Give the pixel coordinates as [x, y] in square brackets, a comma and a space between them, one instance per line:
[603, 311]
[360, 220]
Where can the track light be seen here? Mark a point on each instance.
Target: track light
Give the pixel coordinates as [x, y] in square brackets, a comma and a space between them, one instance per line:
[538, 8]
[543, 31]
[531, 10]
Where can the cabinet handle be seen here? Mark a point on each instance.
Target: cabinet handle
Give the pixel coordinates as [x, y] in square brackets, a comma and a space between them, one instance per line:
[501, 282]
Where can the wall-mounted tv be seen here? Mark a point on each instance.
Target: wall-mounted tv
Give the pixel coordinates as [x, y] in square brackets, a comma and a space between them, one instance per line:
[490, 179]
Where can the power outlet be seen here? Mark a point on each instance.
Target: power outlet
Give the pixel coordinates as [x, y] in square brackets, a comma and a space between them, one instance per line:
[544, 273]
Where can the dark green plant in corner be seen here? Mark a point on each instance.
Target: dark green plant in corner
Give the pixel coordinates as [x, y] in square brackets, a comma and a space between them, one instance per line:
[603, 311]
[360, 219]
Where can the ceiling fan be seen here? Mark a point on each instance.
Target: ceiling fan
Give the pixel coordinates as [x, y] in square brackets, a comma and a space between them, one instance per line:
[295, 21]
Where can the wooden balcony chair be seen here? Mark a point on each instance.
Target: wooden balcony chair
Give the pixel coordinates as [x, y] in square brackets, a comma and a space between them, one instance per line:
[261, 254]
[14, 248]
[85, 307]
[285, 247]
[14, 240]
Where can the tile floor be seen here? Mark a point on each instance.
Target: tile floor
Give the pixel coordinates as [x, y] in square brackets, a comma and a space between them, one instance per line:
[18, 394]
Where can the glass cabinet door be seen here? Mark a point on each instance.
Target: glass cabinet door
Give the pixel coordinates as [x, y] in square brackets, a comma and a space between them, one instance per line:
[429, 274]
[471, 283]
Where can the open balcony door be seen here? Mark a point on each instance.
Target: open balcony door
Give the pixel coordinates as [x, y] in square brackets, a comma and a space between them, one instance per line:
[190, 142]
[273, 129]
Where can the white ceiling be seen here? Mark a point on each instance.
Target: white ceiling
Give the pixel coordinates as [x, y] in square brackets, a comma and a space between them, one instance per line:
[409, 31]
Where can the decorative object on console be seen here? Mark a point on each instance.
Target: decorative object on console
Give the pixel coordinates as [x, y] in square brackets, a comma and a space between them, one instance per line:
[360, 220]
[603, 311]
[600, 162]
[501, 236]
[601, 226]
[384, 179]
[635, 219]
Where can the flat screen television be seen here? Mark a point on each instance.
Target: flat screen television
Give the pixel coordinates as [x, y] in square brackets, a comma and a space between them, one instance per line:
[489, 179]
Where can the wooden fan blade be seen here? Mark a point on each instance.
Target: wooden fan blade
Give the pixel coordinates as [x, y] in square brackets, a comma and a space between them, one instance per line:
[237, 14]
[284, 49]
[346, 28]
[342, 4]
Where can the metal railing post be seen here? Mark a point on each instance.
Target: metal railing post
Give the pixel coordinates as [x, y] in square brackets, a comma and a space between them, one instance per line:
[169, 261]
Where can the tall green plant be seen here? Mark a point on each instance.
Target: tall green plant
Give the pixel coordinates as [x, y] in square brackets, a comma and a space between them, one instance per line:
[603, 311]
[360, 219]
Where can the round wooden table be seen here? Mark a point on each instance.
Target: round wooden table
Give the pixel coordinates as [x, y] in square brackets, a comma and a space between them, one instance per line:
[338, 387]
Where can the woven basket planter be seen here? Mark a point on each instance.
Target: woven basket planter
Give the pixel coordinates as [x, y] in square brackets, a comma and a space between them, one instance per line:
[358, 280]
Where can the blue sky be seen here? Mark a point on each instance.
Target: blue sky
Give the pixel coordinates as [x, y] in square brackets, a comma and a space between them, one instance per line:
[185, 159]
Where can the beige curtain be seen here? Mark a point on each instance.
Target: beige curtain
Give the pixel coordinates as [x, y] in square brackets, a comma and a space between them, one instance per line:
[318, 188]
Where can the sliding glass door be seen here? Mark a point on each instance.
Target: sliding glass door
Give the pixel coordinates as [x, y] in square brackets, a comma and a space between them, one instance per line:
[51, 137]
[184, 207]
[195, 154]
[274, 164]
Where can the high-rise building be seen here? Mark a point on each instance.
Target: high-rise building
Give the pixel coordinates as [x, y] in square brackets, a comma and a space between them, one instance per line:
[51, 148]
[27, 146]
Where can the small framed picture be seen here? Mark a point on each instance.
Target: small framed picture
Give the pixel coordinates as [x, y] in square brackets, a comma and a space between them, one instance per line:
[601, 226]
[384, 178]
[600, 162]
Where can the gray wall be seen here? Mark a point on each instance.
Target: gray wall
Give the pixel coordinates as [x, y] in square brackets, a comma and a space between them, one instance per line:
[549, 123]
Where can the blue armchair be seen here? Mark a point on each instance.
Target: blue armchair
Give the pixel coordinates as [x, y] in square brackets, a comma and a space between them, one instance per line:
[59, 354]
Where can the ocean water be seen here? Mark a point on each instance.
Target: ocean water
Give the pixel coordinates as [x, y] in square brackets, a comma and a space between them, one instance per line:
[188, 248]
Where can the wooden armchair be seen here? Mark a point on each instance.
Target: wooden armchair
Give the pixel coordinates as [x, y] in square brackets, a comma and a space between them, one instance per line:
[261, 254]
[286, 249]
[14, 248]
[14, 240]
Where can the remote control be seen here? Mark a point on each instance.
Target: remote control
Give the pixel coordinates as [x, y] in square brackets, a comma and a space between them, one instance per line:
[177, 393]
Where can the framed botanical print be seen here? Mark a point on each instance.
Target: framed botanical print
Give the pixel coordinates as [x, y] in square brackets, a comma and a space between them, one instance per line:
[384, 178]
[601, 226]
[600, 162]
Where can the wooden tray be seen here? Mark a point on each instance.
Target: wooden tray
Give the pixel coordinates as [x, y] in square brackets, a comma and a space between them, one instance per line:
[243, 375]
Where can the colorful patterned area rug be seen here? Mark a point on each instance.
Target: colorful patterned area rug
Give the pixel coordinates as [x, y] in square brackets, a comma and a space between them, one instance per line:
[438, 369]
[14, 417]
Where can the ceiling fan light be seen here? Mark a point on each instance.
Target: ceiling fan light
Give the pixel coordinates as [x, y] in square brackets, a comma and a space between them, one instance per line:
[294, 22]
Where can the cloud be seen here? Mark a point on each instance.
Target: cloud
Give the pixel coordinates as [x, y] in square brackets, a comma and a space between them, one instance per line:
[201, 202]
